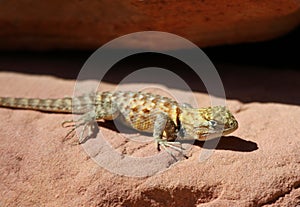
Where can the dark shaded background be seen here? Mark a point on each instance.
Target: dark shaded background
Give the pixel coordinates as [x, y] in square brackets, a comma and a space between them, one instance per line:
[253, 72]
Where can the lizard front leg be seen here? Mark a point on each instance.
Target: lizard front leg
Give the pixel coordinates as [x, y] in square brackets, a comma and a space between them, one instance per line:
[163, 123]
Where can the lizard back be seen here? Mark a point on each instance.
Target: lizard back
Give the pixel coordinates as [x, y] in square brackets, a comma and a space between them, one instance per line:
[139, 110]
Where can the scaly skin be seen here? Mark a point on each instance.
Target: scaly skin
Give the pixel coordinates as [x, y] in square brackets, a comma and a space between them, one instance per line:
[146, 112]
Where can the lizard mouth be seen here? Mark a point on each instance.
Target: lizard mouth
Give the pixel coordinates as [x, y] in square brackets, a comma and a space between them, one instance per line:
[231, 129]
[220, 133]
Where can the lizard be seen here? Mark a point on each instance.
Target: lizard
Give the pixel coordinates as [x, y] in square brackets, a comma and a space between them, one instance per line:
[165, 118]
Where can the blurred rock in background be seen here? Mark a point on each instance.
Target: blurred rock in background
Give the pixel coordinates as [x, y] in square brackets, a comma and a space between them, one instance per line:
[77, 24]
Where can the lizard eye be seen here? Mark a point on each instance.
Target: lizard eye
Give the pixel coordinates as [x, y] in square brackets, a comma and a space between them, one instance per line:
[212, 123]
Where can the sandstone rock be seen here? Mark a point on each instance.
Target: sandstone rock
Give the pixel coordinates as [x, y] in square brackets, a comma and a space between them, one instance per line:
[43, 25]
[258, 165]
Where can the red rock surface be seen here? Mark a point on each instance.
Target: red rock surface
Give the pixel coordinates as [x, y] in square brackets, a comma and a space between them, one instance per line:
[88, 24]
[258, 165]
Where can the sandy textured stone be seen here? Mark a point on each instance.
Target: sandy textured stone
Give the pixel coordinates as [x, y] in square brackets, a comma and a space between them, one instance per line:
[88, 24]
[258, 165]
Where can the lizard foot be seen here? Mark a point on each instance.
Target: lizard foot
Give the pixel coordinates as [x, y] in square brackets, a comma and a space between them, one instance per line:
[89, 124]
[165, 144]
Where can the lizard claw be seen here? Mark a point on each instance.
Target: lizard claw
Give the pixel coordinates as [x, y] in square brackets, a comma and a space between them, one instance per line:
[68, 123]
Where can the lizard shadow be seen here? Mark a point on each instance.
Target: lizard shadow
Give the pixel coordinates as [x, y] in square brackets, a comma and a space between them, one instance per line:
[232, 143]
[117, 126]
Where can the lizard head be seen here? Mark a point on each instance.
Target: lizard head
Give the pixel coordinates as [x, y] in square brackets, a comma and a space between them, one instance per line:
[206, 123]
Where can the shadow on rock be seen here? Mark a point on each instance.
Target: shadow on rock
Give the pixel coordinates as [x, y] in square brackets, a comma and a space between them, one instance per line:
[230, 143]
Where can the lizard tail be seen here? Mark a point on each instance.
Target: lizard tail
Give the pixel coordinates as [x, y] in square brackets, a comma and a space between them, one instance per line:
[62, 105]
